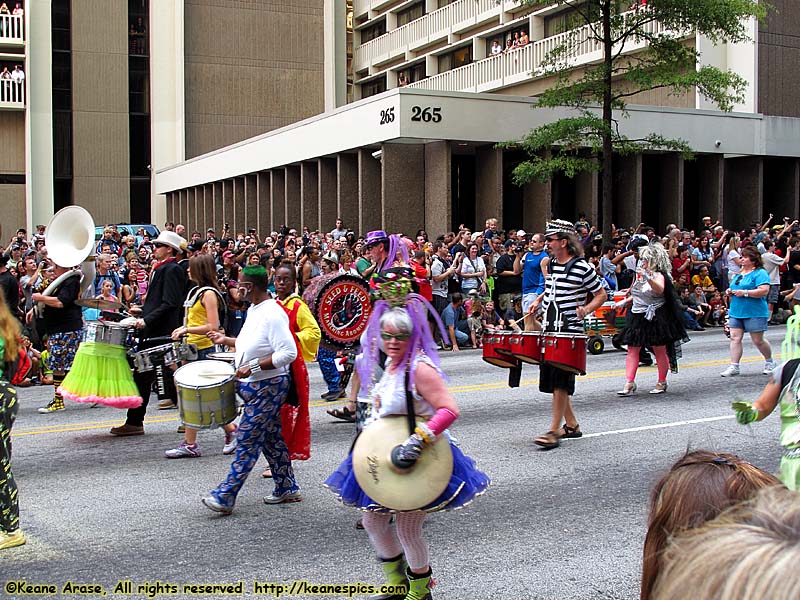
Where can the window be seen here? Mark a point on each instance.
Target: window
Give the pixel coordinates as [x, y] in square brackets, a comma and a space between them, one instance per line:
[563, 21]
[373, 87]
[455, 59]
[410, 14]
[443, 3]
[138, 84]
[373, 31]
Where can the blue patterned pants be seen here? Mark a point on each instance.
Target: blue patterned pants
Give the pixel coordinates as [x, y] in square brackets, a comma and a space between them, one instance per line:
[326, 359]
[9, 502]
[259, 432]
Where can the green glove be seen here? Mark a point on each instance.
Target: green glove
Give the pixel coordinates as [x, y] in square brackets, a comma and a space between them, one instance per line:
[745, 413]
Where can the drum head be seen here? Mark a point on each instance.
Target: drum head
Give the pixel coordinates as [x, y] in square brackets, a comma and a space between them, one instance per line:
[229, 357]
[203, 373]
[341, 306]
[400, 490]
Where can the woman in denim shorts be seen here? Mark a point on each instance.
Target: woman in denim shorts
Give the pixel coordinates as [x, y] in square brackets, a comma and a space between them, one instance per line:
[748, 310]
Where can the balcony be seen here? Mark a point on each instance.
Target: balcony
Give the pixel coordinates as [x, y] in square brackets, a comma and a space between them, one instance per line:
[434, 26]
[12, 95]
[12, 30]
[523, 64]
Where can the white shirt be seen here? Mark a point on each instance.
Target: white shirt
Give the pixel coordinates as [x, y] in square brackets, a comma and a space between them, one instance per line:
[772, 263]
[266, 332]
[18, 76]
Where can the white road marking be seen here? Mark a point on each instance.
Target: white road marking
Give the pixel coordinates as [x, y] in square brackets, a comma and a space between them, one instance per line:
[660, 426]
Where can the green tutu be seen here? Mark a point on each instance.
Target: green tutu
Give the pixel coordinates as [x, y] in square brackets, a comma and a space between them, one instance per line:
[100, 374]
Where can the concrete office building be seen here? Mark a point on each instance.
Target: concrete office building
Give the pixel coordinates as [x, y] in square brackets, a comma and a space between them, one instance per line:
[416, 147]
[116, 89]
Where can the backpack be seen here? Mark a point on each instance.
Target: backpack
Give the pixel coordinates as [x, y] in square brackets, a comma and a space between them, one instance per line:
[20, 367]
[222, 309]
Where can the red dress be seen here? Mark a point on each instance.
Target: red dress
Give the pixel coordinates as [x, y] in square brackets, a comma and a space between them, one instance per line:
[295, 420]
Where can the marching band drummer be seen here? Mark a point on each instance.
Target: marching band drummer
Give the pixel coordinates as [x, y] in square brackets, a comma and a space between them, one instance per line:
[412, 361]
[202, 317]
[63, 323]
[568, 281]
[264, 350]
[160, 316]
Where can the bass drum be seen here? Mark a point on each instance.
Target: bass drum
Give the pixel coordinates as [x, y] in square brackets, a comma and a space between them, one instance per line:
[341, 305]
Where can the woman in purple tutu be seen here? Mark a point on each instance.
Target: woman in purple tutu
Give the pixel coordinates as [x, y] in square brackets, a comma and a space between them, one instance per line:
[413, 364]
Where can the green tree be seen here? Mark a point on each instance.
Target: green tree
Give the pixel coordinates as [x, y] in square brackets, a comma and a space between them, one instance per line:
[599, 92]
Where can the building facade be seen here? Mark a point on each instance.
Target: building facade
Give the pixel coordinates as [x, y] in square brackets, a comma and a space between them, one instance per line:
[417, 147]
[116, 89]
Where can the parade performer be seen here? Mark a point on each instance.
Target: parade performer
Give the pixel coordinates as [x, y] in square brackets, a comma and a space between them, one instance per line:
[160, 316]
[569, 279]
[10, 533]
[203, 304]
[264, 350]
[63, 323]
[413, 377]
[654, 320]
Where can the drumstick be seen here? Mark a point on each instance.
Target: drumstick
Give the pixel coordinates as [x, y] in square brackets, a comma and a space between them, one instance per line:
[214, 374]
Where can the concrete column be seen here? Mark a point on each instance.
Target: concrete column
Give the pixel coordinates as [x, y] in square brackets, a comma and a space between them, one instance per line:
[403, 188]
[628, 196]
[293, 206]
[347, 190]
[309, 195]
[369, 192]
[744, 191]
[207, 216]
[239, 223]
[219, 212]
[186, 206]
[263, 219]
[250, 202]
[170, 206]
[587, 188]
[711, 184]
[488, 185]
[277, 200]
[328, 206]
[227, 205]
[781, 188]
[438, 186]
[537, 205]
[671, 167]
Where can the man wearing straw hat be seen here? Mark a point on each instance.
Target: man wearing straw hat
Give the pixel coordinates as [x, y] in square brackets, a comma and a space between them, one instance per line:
[161, 315]
[569, 281]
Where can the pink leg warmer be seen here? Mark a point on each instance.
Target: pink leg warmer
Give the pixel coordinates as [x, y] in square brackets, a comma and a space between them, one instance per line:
[631, 363]
[662, 361]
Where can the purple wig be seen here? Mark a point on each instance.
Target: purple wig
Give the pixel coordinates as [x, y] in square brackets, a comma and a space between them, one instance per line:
[396, 245]
[421, 339]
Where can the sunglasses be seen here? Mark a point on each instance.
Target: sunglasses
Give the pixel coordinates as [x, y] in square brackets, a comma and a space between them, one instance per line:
[551, 239]
[159, 245]
[400, 337]
[738, 279]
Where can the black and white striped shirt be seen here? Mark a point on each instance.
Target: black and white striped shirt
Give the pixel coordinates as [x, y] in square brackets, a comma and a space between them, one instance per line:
[568, 291]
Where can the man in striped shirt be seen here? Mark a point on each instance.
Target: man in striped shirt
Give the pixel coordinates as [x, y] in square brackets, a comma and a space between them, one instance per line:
[569, 283]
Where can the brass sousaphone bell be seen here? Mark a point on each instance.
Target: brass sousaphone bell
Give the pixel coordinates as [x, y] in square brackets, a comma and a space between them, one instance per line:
[389, 486]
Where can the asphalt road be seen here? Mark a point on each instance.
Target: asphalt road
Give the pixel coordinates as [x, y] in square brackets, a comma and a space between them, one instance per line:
[567, 523]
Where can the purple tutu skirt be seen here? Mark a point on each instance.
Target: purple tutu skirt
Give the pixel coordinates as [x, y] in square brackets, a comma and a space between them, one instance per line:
[466, 483]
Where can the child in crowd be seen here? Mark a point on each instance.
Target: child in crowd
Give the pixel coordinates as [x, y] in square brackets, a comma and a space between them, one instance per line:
[514, 313]
[718, 309]
[474, 312]
[490, 320]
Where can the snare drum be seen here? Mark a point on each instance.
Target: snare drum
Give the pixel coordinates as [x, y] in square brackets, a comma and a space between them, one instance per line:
[106, 332]
[493, 342]
[164, 354]
[206, 394]
[229, 357]
[566, 351]
[528, 347]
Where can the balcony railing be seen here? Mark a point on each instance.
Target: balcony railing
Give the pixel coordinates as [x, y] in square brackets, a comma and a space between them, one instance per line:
[516, 66]
[430, 28]
[12, 94]
[12, 30]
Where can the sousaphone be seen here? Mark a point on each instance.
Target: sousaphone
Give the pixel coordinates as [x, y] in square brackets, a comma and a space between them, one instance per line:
[395, 488]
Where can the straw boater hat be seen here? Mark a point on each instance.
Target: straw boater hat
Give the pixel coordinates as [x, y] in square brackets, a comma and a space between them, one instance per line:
[559, 226]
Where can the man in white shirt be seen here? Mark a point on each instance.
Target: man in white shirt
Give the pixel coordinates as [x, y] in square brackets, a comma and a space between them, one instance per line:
[340, 230]
[772, 265]
[18, 75]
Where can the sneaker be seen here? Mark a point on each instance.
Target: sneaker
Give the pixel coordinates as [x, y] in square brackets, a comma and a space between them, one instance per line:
[53, 406]
[769, 366]
[334, 395]
[166, 404]
[211, 503]
[293, 496]
[12, 539]
[126, 430]
[184, 451]
[230, 442]
[731, 371]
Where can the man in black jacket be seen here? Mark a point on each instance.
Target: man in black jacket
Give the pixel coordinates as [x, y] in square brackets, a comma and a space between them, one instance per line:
[161, 314]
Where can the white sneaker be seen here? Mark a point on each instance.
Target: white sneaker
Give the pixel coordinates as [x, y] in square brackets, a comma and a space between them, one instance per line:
[769, 367]
[731, 371]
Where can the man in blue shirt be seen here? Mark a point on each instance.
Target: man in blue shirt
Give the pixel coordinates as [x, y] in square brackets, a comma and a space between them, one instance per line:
[455, 321]
[533, 266]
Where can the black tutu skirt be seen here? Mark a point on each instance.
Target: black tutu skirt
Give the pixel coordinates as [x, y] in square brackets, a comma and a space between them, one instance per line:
[663, 330]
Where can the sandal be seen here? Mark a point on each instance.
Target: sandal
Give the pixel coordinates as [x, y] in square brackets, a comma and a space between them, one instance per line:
[571, 432]
[344, 413]
[548, 441]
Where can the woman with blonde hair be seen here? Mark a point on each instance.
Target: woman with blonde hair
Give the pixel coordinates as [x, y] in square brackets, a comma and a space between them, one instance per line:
[10, 534]
[698, 487]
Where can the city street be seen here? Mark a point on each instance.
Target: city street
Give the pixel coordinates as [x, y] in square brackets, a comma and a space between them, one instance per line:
[566, 523]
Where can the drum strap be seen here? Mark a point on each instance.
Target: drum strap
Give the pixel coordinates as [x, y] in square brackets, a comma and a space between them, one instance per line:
[412, 418]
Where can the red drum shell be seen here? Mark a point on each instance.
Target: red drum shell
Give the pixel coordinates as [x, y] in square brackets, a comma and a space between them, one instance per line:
[528, 346]
[491, 342]
[566, 351]
[502, 342]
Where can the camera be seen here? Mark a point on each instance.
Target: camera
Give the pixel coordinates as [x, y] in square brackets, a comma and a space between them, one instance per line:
[251, 230]
[226, 226]
[519, 248]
